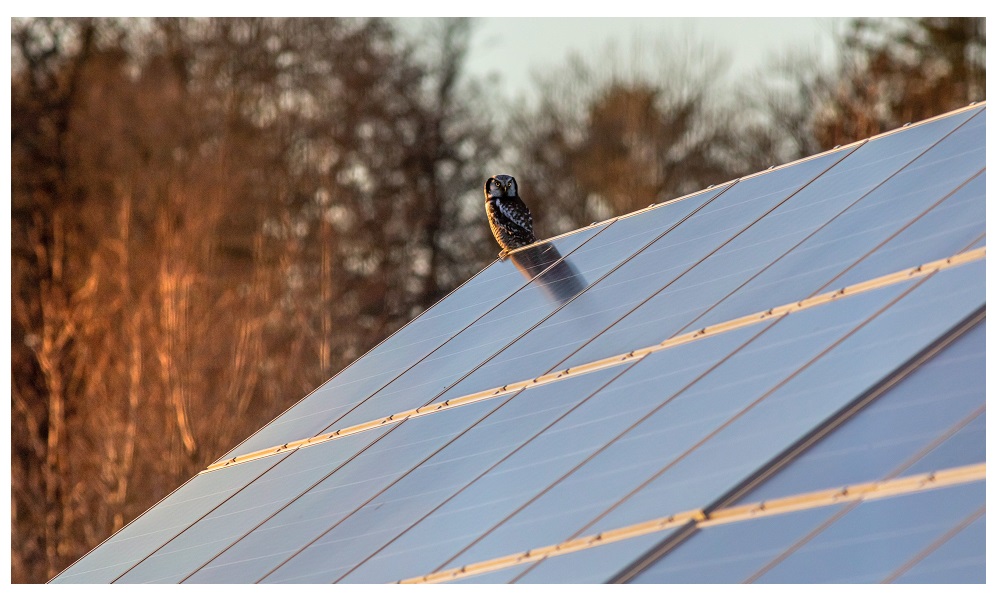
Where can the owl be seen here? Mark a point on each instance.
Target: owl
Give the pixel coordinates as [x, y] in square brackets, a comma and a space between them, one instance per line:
[509, 218]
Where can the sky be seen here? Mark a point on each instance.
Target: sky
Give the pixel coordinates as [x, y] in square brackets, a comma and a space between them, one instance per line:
[514, 47]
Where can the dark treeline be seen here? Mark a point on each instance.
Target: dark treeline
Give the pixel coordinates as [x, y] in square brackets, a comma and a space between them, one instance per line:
[210, 217]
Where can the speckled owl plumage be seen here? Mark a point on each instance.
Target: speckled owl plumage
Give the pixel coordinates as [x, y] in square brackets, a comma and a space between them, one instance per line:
[510, 219]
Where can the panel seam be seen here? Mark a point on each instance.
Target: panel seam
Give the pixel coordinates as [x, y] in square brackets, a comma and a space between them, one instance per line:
[860, 492]
[684, 338]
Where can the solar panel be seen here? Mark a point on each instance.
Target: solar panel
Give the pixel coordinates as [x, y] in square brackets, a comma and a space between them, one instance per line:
[699, 449]
[933, 419]
[159, 524]
[682, 248]
[796, 250]
[871, 540]
[588, 409]
[958, 557]
[476, 302]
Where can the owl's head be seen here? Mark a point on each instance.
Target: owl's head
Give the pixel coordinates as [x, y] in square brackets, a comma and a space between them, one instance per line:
[499, 186]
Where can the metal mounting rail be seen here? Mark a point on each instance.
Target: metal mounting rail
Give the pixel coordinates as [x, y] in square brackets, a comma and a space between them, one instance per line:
[684, 338]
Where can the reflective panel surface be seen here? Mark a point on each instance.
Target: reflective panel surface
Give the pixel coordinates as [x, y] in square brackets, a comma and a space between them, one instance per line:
[342, 552]
[158, 525]
[470, 303]
[684, 428]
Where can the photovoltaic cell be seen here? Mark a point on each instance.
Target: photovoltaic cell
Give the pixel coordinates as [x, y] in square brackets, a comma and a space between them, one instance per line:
[965, 446]
[466, 305]
[596, 565]
[386, 516]
[657, 438]
[874, 538]
[961, 558]
[158, 525]
[953, 226]
[677, 430]
[532, 467]
[812, 266]
[839, 375]
[920, 410]
[791, 253]
[886, 439]
[859, 543]
[248, 508]
[732, 553]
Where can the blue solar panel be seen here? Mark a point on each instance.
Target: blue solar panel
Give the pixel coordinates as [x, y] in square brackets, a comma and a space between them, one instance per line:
[932, 405]
[540, 463]
[683, 428]
[862, 543]
[680, 250]
[697, 453]
[427, 487]
[795, 251]
[163, 521]
[960, 558]
[868, 542]
[474, 302]
[809, 398]
[936, 408]
[268, 494]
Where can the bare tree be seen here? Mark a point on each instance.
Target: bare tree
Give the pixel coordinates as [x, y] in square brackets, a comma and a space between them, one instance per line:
[604, 140]
[209, 218]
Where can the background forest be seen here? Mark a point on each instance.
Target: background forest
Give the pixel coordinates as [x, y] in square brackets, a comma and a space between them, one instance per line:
[211, 217]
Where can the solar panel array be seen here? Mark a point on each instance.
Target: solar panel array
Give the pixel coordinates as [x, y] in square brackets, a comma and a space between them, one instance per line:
[778, 379]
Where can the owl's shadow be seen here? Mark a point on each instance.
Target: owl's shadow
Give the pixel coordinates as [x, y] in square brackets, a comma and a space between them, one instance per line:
[543, 265]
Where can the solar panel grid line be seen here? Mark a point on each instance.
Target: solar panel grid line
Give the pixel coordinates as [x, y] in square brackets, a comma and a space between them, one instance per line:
[808, 440]
[720, 428]
[823, 429]
[717, 192]
[972, 416]
[523, 284]
[937, 543]
[852, 493]
[967, 118]
[491, 466]
[610, 443]
[913, 220]
[387, 486]
[772, 313]
[892, 480]
[744, 410]
[262, 474]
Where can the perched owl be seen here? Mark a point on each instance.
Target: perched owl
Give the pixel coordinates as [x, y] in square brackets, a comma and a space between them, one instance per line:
[509, 218]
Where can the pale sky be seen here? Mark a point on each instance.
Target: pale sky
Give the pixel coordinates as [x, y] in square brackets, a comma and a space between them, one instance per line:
[512, 47]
